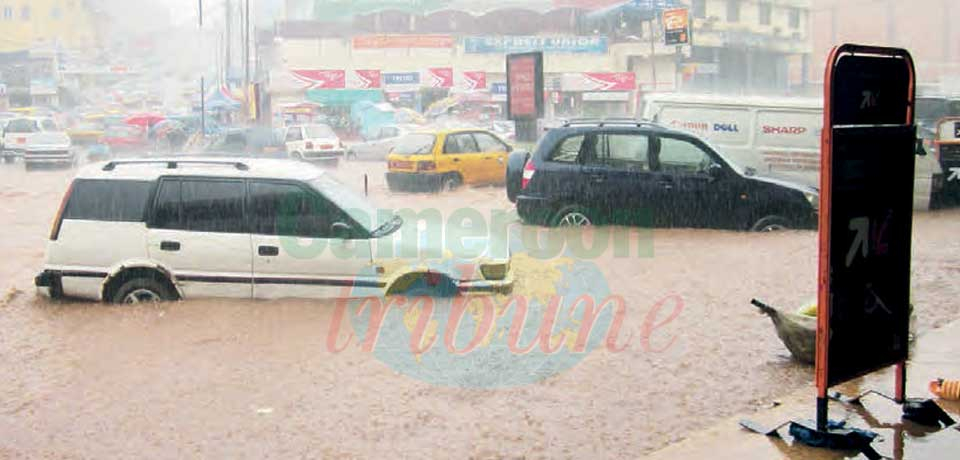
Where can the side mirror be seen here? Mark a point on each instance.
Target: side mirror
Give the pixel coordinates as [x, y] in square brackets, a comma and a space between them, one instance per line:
[920, 151]
[715, 170]
[341, 230]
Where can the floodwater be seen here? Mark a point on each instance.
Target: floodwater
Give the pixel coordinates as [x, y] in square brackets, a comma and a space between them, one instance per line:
[243, 379]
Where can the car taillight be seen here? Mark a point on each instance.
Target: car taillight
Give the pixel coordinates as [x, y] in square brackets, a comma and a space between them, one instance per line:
[326, 146]
[426, 166]
[309, 145]
[58, 221]
[528, 171]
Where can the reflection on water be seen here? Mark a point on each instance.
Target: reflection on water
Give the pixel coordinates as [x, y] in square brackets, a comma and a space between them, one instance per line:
[247, 379]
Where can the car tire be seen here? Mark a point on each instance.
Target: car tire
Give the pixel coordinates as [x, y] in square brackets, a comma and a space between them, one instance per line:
[29, 166]
[7, 159]
[297, 156]
[771, 224]
[572, 216]
[143, 290]
[450, 183]
[350, 155]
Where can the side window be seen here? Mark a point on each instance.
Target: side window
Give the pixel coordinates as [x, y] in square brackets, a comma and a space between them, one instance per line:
[629, 151]
[568, 150]
[487, 143]
[680, 156]
[166, 212]
[212, 206]
[289, 210]
[460, 143]
[108, 200]
[294, 134]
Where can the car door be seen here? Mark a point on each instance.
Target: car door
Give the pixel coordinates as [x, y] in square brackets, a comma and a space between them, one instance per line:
[198, 231]
[697, 197]
[294, 139]
[461, 152]
[298, 248]
[494, 154]
[621, 173]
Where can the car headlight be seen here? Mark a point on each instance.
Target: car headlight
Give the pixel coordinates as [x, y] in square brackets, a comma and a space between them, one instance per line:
[813, 199]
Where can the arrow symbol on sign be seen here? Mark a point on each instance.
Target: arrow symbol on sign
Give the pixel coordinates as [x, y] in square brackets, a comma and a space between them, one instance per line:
[861, 225]
[954, 174]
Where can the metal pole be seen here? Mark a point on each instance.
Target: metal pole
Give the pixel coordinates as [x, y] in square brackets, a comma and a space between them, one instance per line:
[200, 12]
[246, 56]
[653, 56]
[203, 108]
[227, 39]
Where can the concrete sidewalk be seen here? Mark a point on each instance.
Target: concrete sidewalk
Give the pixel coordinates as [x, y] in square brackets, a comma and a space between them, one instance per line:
[935, 354]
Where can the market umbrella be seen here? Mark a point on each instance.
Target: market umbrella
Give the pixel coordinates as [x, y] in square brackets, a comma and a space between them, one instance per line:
[144, 120]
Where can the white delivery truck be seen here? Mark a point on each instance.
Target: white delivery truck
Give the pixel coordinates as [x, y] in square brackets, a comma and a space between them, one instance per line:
[773, 136]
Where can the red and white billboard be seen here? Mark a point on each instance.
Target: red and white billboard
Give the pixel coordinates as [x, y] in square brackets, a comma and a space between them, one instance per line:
[525, 86]
[364, 79]
[441, 77]
[599, 81]
[321, 79]
[474, 80]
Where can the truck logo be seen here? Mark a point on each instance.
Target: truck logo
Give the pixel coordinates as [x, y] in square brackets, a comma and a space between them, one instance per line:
[728, 127]
[794, 130]
[691, 125]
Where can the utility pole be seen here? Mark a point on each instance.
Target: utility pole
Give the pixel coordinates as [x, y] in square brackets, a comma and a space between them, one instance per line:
[203, 85]
[246, 56]
[227, 39]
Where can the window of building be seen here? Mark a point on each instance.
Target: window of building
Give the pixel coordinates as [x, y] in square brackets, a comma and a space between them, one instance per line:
[766, 11]
[733, 10]
[25, 13]
[55, 12]
[794, 18]
[699, 8]
[7, 13]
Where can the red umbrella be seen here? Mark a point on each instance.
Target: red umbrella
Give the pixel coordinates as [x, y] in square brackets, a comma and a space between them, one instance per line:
[145, 120]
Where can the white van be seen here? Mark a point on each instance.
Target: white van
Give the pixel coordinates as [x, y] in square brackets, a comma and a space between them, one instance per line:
[774, 136]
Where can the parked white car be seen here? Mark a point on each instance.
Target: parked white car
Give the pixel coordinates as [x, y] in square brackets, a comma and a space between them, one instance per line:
[153, 230]
[378, 147]
[315, 142]
[19, 131]
[49, 148]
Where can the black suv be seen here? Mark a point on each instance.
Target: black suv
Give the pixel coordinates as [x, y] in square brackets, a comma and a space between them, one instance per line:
[630, 172]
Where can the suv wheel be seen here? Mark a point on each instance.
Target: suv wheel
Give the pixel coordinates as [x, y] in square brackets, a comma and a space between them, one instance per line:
[450, 183]
[296, 156]
[771, 224]
[572, 216]
[142, 290]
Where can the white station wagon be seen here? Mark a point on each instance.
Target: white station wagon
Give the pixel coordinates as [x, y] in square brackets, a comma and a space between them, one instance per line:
[153, 230]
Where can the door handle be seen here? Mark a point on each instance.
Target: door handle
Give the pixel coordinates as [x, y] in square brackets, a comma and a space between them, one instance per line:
[268, 251]
[456, 160]
[171, 246]
[597, 178]
[666, 184]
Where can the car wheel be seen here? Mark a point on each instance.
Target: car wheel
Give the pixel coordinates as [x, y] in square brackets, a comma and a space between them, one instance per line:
[771, 224]
[572, 216]
[450, 183]
[8, 159]
[296, 156]
[143, 290]
[350, 155]
[29, 166]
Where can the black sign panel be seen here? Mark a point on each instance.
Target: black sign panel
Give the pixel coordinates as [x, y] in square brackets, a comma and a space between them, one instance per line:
[870, 90]
[866, 213]
[870, 228]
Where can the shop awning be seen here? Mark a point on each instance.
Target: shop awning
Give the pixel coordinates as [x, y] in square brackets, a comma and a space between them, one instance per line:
[344, 97]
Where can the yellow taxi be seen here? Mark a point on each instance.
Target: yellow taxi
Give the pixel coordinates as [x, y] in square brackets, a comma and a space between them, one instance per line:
[447, 159]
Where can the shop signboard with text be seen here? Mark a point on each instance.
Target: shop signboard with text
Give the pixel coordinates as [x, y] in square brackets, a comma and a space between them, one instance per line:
[402, 41]
[518, 44]
[525, 86]
[598, 81]
[321, 79]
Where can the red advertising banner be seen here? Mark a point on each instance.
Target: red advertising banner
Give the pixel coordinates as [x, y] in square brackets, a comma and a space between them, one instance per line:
[610, 81]
[475, 80]
[441, 77]
[525, 85]
[402, 41]
[364, 79]
[321, 79]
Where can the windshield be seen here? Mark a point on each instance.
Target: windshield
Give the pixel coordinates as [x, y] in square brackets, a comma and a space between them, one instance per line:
[22, 125]
[415, 144]
[320, 132]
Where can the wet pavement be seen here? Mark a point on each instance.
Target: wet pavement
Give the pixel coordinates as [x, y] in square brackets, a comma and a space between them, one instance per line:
[244, 379]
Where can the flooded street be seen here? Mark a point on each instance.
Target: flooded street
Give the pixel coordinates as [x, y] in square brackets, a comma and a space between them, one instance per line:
[244, 379]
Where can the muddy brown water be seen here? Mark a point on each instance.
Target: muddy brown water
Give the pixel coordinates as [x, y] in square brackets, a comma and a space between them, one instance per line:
[244, 379]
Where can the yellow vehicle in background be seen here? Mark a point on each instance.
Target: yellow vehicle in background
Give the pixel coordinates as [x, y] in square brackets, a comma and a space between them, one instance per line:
[445, 160]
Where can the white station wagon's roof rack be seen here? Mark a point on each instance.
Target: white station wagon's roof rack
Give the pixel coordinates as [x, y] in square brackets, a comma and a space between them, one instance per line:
[174, 164]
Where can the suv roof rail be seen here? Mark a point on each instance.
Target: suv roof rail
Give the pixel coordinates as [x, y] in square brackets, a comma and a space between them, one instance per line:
[174, 164]
[600, 122]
